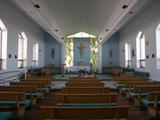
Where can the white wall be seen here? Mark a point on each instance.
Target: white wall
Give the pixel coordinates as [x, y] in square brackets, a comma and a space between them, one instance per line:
[16, 22]
[146, 22]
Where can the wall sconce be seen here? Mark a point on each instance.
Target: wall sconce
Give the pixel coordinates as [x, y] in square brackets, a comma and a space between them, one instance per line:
[15, 56]
[123, 50]
[40, 50]
[9, 56]
[147, 56]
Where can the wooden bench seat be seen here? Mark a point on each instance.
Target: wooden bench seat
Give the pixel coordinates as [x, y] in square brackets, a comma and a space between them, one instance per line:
[85, 90]
[98, 81]
[119, 78]
[152, 103]
[132, 81]
[142, 91]
[84, 84]
[153, 99]
[84, 78]
[109, 99]
[48, 81]
[41, 78]
[14, 101]
[61, 112]
[130, 85]
[31, 92]
[42, 86]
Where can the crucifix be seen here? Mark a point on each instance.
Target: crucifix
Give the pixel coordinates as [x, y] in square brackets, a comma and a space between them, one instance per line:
[81, 47]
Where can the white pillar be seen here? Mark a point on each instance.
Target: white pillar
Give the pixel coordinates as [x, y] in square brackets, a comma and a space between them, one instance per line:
[99, 58]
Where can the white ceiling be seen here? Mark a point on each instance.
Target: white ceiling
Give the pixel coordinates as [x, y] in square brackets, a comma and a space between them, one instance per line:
[71, 16]
[81, 15]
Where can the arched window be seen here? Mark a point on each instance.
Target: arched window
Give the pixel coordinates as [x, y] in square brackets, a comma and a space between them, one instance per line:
[158, 45]
[140, 46]
[127, 55]
[35, 54]
[3, 46]
[22, 50]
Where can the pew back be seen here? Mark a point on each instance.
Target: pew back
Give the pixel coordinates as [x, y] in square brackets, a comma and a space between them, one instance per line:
[84, 84]
[12, 96]
[56, 112]
[85, 90]
[86, 98]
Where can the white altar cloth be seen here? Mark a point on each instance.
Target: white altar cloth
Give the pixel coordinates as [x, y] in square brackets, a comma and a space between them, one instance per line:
[77, 68]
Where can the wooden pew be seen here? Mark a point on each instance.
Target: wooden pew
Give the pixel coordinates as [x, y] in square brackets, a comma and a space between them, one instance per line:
[122, 84]
[117, 74]
[146, 88]
[131, 81]
[87, 98]
[40, 77]
[153, 105]
[36, 83]
[13, 101]
[125, 79]
[85, 90]
[142, 91]
[59, 112]
[42, 86]
[78, 81]
[84, 84]
[48, 82]
[82, 78]
[30, 91]
[138, 83]
[129, 85]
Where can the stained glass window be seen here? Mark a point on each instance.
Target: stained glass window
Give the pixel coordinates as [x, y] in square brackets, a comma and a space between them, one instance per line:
[94, 52]
[69, 52]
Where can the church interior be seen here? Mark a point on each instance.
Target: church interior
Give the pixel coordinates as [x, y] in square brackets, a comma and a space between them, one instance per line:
[79, 59]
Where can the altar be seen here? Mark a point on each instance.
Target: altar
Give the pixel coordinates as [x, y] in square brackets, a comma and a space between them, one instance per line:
[75, 69]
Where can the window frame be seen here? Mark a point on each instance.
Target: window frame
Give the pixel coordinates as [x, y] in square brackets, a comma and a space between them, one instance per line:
[21, 58]
[35, 54]
[141, 62]
[158, 46]
[128, 56]
[1, 42]
[3, 46]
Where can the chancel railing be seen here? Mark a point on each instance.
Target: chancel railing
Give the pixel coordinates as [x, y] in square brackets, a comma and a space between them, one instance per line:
[6, 77]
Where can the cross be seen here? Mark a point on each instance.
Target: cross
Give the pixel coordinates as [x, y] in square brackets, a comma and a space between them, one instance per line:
[81, 47]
